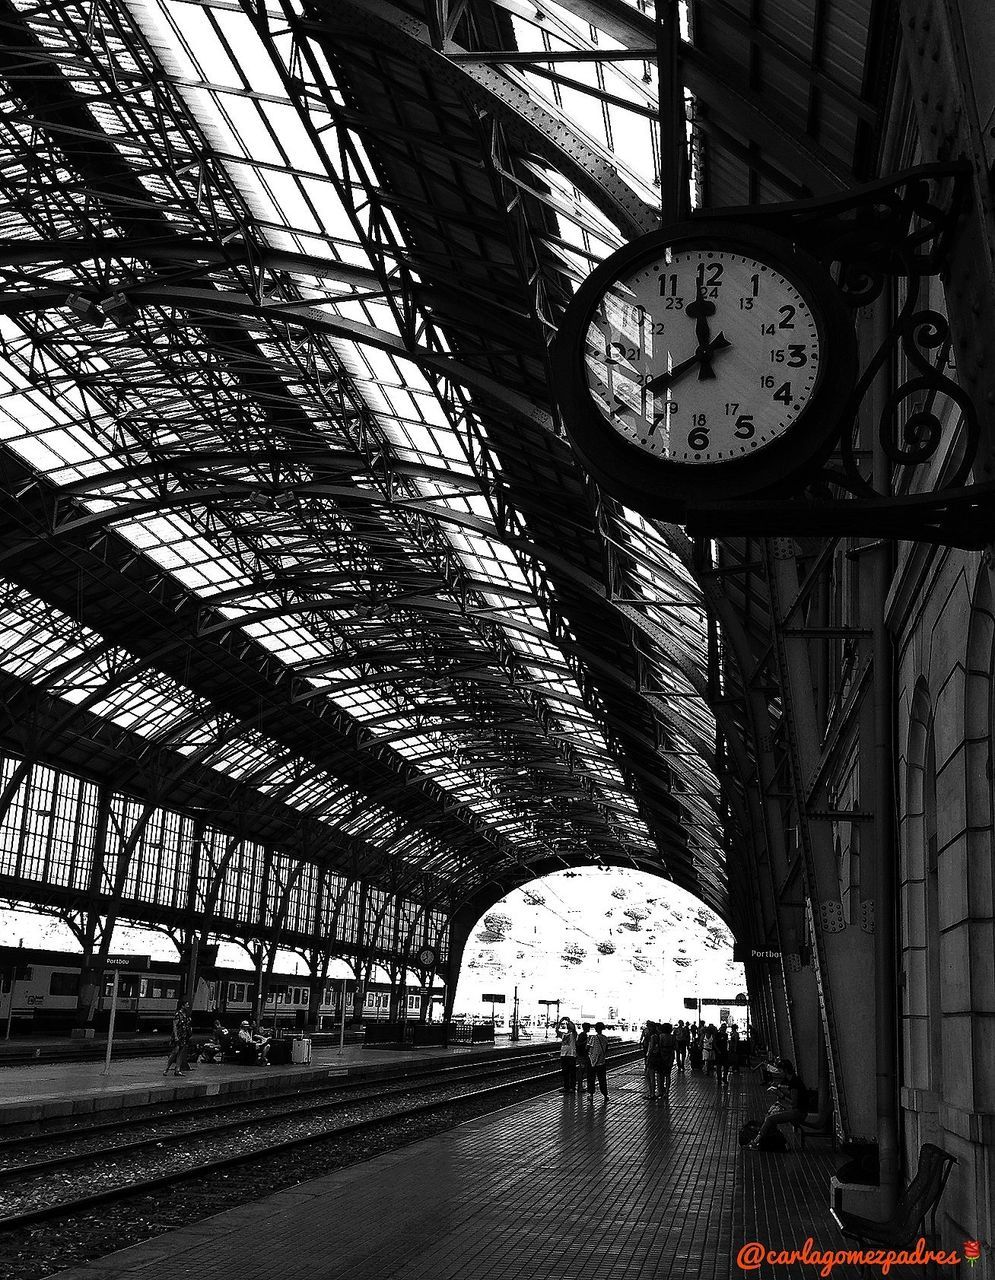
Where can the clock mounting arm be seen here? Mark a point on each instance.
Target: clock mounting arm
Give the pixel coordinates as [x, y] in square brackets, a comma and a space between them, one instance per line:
[773, 435]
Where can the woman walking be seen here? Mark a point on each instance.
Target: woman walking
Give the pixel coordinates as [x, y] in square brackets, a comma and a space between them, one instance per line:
[179, 1044]
[708, 1049]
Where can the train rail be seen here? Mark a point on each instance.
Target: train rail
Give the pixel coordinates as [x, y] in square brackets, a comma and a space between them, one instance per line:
[321, 1097]
[66, 1129]
[192, 1155]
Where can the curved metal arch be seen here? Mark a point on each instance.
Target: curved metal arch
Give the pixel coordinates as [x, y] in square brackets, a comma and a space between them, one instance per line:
[309, 578]
[487, 90]
[223, 303]
[196, 463]
[234, 492]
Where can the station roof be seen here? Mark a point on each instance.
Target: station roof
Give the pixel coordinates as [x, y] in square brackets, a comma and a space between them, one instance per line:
[285, 493]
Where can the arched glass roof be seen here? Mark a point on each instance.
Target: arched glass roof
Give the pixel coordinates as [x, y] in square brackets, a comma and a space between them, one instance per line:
[286, 483]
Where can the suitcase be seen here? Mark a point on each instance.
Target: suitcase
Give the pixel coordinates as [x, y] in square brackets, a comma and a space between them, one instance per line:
[279, 1052]
[300, 1051]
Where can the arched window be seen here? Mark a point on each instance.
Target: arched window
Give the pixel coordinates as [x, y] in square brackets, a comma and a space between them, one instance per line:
[923, 1014]
[978, 716]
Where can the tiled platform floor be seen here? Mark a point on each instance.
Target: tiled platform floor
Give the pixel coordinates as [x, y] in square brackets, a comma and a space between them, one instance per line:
[29, 1093]
[560, 1188]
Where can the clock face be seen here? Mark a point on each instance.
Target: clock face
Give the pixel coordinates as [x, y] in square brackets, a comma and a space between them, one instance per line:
[702, 355]
[426, 957]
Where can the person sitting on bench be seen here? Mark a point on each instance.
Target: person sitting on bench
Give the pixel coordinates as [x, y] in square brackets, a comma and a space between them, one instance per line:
[792, 1102]
[220, 1046]
[251, 1048]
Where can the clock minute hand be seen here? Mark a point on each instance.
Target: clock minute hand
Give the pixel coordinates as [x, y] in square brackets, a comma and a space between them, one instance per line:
[702, 355]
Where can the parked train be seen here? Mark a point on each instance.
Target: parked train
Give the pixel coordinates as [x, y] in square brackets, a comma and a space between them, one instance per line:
[38, 992]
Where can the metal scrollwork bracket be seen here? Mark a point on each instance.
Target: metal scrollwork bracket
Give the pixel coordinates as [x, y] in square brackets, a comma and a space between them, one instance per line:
[889, 234]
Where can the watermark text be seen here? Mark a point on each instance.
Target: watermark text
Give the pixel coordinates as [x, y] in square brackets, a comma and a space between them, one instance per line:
[755, 1254]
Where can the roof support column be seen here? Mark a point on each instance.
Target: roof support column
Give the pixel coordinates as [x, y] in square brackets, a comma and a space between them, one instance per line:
[843, 953]
[89, 978]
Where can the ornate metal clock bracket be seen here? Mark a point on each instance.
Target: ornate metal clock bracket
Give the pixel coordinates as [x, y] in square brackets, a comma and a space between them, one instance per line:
[889, 234]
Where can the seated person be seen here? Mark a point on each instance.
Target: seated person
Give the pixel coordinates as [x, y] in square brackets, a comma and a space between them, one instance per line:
[251, 1047]
[220, 1044]
[792, 1102]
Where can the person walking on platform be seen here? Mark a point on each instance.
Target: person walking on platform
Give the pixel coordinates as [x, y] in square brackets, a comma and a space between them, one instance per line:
[694, 1047]
[734, 1049]
[667, 1052]
[597, 1061]
[568, 1054]
[720, 1047]
[681, 1038]
[179, 1044]
[582, 1042]
[654, 1060]
[708, 1049]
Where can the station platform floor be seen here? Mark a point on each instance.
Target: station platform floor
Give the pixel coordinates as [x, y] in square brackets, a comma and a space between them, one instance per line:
[43, 1091]
[557, 1188]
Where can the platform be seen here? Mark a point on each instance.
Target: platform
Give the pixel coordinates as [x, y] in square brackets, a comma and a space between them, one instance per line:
[30, 1093]
[557, 1188]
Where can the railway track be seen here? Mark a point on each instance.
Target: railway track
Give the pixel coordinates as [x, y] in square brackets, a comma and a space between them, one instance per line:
[324, 1098]
[84, 1126]
[192, 1155]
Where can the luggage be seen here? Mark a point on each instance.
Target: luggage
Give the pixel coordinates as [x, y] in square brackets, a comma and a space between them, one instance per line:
[300, 1051]
[279, 1052]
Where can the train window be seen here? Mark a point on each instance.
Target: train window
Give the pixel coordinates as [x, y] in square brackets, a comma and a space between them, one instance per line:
[370, 1000]
[63, 984]
[4, 983]
[143, 988]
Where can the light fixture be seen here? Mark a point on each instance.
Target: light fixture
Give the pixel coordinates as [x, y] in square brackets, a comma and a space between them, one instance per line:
[86, 309]
[119, 309]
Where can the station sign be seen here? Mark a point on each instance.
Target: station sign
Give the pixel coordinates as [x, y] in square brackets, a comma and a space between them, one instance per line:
[720, 1000]
[133, 964]
[493, 999]
[690, 1002]
[742, 954]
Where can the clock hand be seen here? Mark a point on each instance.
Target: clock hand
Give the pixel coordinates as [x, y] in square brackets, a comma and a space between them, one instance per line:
[701, 356]
[699, 311]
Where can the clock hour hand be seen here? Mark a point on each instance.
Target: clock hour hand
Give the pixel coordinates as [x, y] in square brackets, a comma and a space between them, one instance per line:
[701, 356]
[699, 311]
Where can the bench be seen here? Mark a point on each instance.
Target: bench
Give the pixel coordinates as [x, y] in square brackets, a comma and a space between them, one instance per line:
[921, 1197]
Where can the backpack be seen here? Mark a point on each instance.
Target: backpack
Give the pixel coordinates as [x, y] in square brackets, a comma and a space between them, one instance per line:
[653, 1055]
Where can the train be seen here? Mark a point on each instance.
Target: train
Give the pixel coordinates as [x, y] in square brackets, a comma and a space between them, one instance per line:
[39, 989]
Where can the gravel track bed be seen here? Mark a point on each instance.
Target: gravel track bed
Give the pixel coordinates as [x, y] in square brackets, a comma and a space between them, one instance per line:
[188, 1150]
[38, 1251]
[169, 1125]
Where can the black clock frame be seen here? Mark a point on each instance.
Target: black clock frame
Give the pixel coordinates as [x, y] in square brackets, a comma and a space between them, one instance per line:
[666, 488]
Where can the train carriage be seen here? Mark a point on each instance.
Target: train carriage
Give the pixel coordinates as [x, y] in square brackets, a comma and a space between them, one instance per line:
[39, 989]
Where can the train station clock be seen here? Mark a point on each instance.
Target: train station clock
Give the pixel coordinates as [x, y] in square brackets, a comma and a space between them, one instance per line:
[427, 957]
[703, 362]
